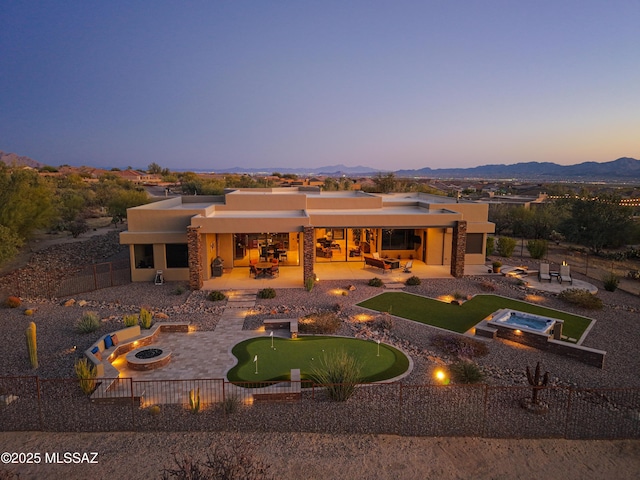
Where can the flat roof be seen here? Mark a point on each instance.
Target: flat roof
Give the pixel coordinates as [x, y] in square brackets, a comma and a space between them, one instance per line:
[258, 214]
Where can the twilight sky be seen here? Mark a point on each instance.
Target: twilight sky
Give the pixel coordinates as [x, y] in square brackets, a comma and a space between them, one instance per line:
[385, 84]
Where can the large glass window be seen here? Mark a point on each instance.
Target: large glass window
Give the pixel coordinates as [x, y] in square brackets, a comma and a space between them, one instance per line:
[177, 255]
[143, 256]
[474, 243]
[398, 239]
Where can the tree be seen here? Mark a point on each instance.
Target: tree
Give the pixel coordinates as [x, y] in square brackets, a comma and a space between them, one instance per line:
[385, 182]
[154, 168]
[126, 199]
[10, 243]
[598, 223]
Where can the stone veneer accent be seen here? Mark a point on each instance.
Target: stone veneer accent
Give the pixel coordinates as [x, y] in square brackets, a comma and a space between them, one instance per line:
[194, 244]
[308, 254]
[458, 248]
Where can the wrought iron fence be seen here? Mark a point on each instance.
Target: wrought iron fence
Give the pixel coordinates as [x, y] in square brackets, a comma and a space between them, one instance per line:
[62, 283]
[32, 403]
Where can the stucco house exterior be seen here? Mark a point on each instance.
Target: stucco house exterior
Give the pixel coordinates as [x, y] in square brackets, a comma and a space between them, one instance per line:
[301, 226]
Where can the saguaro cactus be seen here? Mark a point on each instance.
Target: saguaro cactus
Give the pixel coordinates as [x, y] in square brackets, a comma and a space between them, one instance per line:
[32, 345]
[536, 382]
[194, 401]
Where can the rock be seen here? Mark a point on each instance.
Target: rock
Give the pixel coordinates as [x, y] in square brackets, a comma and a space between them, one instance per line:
[82, 303]
[69, 303]
[160, 315]
[351, 288]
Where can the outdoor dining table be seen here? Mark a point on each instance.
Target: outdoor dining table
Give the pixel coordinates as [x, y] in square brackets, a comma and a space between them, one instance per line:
[263, 268]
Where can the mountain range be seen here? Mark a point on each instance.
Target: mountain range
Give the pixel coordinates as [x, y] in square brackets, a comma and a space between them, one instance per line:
[624, 168]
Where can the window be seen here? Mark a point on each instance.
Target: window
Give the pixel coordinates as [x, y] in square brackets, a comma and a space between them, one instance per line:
[143, 256]
[177, 255]
[474, 242]
[398, 239]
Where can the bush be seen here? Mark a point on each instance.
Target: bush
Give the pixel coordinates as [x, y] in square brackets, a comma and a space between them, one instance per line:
[231, 403]
[384, 322]
[226, 461]
[86, 373]
[78, 227]
[488, 286]
[458, 295]
[179, 290]
[581, 298]
[506, 246]
[145, 318]
[611, 282]
[13, 302]
[491, 246]
[309, 283]
[375, 282]
[339, 373]
[413, 281]
[154, 410]
[88, 323]
[459, 346]
[466, 372]
[130, 320]
[216, 296]
[537, 248]
[267, 293]
[316, 323]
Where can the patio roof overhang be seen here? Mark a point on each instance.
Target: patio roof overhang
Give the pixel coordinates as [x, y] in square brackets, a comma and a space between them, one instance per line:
[252, 221]
[394, 217]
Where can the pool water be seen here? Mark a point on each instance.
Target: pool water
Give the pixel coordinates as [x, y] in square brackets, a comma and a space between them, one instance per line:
[524, 320]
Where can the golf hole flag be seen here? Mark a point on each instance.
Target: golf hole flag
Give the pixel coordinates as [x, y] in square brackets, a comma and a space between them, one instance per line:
[255, 359]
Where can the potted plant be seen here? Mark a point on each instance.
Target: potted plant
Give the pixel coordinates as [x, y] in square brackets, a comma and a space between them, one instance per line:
[496, 266]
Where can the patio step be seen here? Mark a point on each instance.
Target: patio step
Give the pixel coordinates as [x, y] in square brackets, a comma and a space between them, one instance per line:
[394, 286]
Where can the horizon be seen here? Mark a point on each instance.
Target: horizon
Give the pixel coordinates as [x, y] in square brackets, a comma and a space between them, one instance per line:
[388, 86]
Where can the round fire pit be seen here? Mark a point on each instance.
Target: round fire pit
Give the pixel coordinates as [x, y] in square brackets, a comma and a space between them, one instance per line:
[148, 358]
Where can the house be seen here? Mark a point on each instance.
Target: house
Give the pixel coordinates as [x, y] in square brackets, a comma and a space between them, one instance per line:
[301, 226]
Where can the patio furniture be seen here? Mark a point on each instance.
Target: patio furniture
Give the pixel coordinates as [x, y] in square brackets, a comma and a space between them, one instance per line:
[253, 271]
[543, 273]
[565, 274]
[377, 262]
[355, 252]
[263, 269]
[407, 266]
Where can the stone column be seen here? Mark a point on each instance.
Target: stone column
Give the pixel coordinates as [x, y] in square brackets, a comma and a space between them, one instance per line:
[194, 244]
[308, 254]
[458, 248]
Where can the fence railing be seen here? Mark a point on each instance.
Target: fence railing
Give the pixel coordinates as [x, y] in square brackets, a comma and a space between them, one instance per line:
[32, 403]
[62, 283]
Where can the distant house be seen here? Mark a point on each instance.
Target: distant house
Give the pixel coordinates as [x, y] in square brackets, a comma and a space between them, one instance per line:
[301, 226]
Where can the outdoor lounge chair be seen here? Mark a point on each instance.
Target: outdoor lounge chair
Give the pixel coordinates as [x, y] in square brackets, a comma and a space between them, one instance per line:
[407, 266]
[543, 273]
[565, 274]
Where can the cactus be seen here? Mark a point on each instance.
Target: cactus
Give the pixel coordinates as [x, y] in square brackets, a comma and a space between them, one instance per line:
[536, 382]
[194, 401]
[32, 345]
[86, 372]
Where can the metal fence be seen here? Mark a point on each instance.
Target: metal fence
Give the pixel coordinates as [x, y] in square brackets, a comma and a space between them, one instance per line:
[32, 403]
[62, 283]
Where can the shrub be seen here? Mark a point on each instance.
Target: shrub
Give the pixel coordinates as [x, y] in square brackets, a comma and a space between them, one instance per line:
[506, 246]
[231, 403]
[496, 266]
[581, 298]
[413, 281]
[611, 282]
[491, 246]
[459, 296]
[339, 373]
[145, 318]
[459, 346]
[78, 227]
[375, 282]
[323, 322]
[194, 400]
[226, 461]
[88, 323]
[130, 320]
[216, 296]
[13, 302]
[179, 290]
[267, 293]
[86, 373]
[466, 372]
[154, 410]
[488, 286]
[309, 283]
[537, 248]
[384, 322]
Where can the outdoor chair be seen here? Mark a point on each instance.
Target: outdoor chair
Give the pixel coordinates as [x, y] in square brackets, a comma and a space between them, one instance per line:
[253, 271]
[565, 274]
[407, 266]
[275, 270]
[543, 273]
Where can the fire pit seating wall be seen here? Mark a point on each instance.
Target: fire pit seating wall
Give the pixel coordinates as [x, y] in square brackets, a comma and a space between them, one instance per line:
[112, 345]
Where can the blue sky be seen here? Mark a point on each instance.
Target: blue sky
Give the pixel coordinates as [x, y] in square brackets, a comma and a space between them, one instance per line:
[386, 84]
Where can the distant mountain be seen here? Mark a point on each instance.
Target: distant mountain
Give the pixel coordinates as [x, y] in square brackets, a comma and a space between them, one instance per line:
[328, 170]
[622, 168]
[13, 159]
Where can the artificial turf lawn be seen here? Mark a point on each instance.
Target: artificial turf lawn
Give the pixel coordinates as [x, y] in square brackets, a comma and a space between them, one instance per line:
[460, 318]
[304, 352]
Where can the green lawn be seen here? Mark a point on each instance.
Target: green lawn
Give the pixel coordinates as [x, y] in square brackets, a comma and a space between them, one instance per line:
[304, 352]
[458, 318]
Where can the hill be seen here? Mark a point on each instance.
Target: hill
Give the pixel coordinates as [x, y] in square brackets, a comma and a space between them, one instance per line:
[15, 160]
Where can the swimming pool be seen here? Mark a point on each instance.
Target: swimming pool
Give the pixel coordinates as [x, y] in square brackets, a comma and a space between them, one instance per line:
[525, 321]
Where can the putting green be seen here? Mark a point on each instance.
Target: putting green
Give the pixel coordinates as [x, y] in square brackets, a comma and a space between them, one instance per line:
[274, 364]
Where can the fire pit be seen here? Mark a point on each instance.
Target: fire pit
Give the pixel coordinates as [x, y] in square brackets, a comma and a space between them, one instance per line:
[148, 358]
